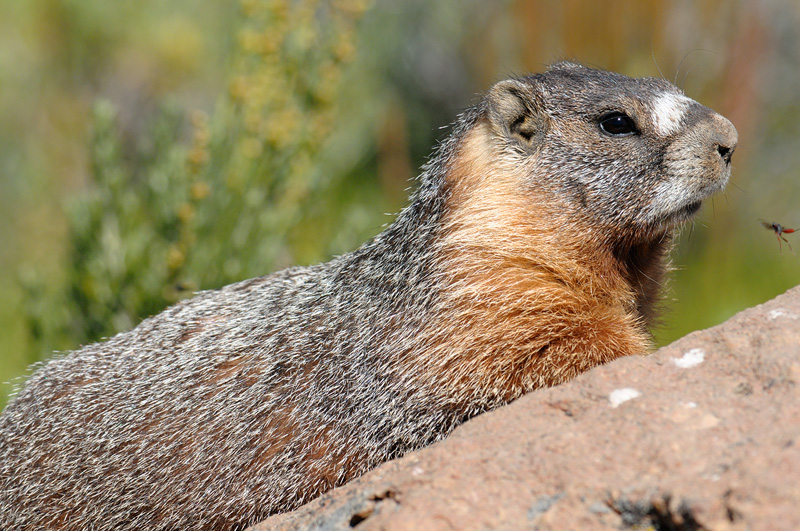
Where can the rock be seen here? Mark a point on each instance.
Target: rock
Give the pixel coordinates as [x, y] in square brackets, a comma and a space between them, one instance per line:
[702, 434]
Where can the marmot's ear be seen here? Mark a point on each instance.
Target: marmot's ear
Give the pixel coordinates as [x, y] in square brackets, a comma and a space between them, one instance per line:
[517, 112]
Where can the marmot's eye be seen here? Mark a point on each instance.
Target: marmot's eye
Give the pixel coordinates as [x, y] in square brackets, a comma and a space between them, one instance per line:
[618, 124]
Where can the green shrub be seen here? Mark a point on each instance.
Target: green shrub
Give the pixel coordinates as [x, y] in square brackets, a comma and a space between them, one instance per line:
[201, 201]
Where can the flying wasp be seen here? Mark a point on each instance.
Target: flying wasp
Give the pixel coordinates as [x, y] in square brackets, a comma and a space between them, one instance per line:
[779, 231]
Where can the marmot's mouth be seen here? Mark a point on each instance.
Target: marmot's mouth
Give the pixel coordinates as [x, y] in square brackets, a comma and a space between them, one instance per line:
[683, 214]
[688, 211]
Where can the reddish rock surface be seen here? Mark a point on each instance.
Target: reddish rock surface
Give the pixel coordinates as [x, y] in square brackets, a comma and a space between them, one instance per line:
[703, 434]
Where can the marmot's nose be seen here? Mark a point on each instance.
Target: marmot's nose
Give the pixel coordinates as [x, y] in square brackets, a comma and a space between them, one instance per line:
[725, 137]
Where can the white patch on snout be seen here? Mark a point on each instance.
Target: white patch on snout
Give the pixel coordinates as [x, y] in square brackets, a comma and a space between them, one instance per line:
[668, 111]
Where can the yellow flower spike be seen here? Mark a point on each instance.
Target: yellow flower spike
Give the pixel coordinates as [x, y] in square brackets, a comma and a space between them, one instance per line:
[201, 136]
[238, 88]
[321, 126]
[198, 154]
[175, 257]
[200, 190]
[197, 157]
[249, 40]
[185, 212]
[296, 191]
[330, 72]
[250, 7]
[345, 50]
[353, 8]
[279, 9]
[269, 43]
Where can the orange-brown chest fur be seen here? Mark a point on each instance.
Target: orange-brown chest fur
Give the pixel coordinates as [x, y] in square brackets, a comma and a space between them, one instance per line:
[531, 296]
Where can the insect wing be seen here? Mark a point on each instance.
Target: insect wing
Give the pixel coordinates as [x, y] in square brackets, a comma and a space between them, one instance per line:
[768, 225]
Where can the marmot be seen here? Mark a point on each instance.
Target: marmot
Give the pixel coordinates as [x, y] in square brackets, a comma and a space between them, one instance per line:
[533, 249]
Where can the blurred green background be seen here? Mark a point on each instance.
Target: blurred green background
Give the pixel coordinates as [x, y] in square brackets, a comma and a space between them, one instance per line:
[151, 149]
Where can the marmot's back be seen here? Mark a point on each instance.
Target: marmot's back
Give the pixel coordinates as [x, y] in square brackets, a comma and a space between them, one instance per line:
[532, 250]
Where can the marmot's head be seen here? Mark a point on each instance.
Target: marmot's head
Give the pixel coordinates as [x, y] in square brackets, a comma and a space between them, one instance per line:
[634, 155]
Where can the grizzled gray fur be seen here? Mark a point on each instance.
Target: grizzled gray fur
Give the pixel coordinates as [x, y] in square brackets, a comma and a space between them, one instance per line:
[255, 398]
